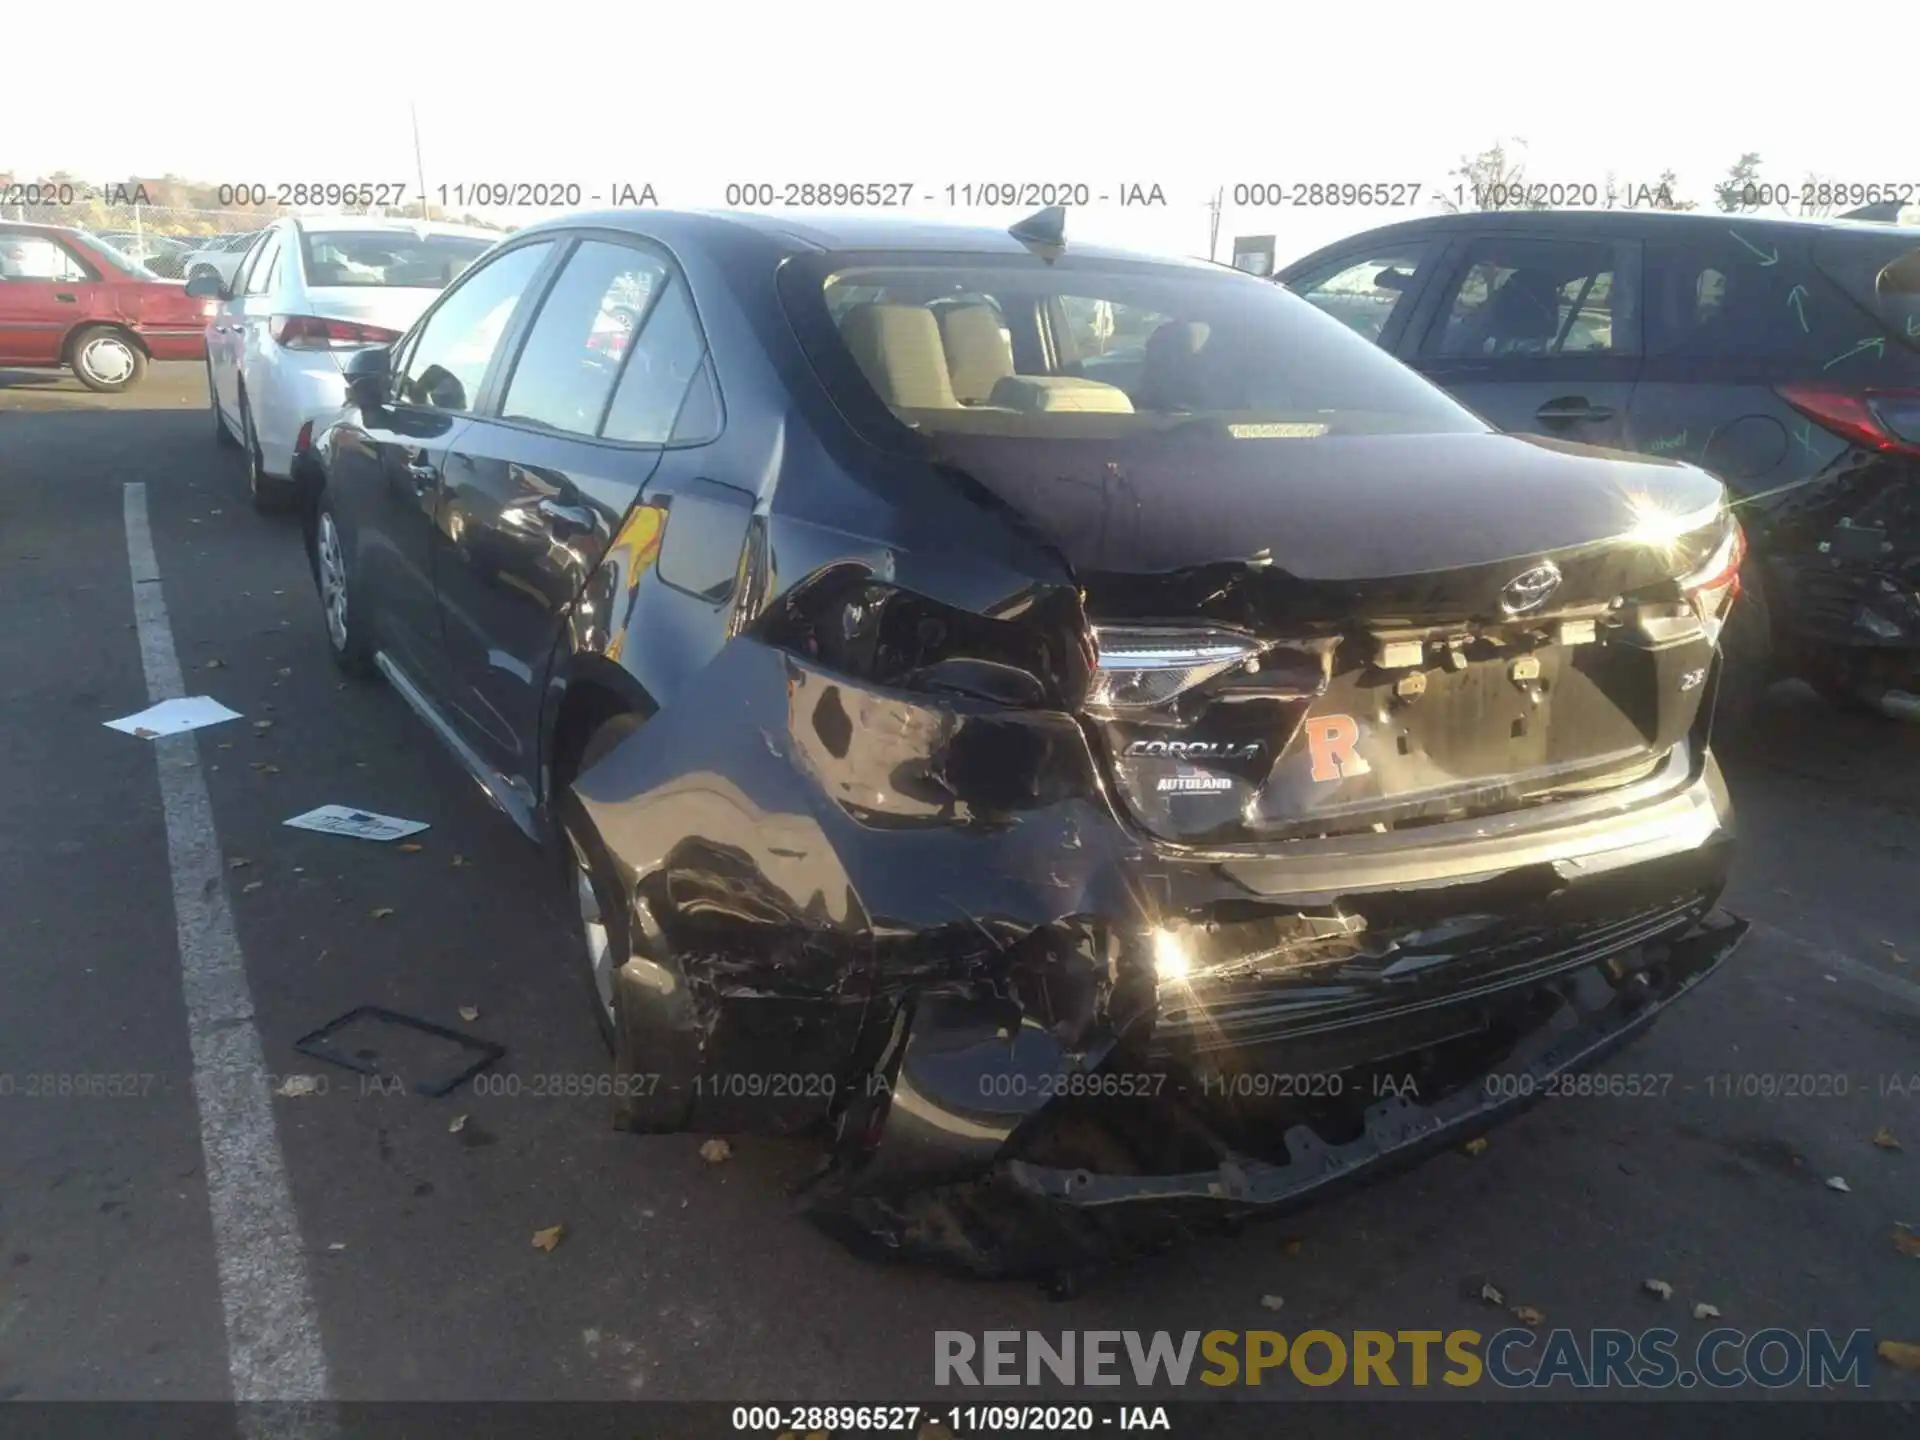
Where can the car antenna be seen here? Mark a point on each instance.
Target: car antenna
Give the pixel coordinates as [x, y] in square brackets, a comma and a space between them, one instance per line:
[1044, 232]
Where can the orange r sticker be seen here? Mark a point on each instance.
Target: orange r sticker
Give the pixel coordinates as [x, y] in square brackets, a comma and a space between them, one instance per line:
[1330, 741]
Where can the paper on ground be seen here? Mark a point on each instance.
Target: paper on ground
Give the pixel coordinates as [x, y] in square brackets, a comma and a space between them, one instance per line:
[171, 717]
[359, 824]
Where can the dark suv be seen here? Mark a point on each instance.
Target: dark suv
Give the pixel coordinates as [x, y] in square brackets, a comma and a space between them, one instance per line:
[1781, 355]
[1141, 775]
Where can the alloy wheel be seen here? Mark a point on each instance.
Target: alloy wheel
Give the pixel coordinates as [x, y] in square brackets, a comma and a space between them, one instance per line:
[333, 580]
[598, 940]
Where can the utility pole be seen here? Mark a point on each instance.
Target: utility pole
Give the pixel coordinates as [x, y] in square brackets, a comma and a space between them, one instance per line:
[419, 166]
[1214, 207]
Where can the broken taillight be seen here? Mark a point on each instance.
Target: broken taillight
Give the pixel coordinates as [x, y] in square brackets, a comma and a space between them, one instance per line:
[1884, 420]
[315, 332]
[1141, 667]
[1713, 588]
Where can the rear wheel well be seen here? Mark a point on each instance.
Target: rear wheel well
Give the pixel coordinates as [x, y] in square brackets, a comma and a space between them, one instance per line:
[586, 707]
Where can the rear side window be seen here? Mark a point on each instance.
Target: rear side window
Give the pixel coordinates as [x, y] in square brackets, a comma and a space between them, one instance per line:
[1742, 293]
[666, 393]
[35, 257]
[1523, 298]
[578, 341]
[1880, 271]
[1363, 293]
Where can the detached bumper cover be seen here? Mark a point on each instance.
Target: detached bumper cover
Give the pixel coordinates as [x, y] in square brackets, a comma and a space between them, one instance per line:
[1399, 1129]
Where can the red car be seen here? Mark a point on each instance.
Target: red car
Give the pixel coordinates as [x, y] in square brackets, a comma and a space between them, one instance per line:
[68, 298]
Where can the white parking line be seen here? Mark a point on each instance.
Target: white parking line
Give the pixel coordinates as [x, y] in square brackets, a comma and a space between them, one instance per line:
[273, 1331]
[1892, 986]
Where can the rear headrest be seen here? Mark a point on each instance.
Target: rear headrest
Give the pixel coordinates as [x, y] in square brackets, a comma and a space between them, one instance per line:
[979, 354]
[898, 347]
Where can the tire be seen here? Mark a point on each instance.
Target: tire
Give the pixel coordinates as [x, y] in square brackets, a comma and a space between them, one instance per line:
[222, 436]
[106, 359]
[269, 495]
[341, 606]
[597, 931]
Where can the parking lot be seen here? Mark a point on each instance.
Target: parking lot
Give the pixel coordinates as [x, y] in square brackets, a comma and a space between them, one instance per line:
[679, 1278]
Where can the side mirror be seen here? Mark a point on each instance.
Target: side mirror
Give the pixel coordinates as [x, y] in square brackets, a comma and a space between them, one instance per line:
[206, 287]
[369, 376]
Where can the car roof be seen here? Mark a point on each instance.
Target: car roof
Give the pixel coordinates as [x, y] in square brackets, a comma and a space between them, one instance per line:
[1618, 222]
[364, 224]
[34, 227]
[860, 230]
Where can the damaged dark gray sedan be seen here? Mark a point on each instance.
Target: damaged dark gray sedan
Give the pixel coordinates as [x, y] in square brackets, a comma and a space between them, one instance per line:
[1097, 740]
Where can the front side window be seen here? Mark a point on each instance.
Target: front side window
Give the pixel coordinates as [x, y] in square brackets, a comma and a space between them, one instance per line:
[1087, 349]
[1362, 294]
[577, 343]
[261, 266]
[1523, 299]
[37, 257]
[449, 359]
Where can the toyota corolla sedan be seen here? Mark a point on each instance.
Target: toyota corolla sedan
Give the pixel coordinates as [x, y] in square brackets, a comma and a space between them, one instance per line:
[310, 291]
[69, 299]
[1089, 806]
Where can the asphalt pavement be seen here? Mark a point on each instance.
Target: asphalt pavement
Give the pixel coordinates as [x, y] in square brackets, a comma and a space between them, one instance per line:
[675, 1277]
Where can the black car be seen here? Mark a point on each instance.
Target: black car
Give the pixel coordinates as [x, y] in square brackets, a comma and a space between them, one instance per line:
[1081, 801]
[1781, 355]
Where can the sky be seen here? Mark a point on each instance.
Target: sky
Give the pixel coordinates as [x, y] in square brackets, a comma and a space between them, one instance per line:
[1188, 99]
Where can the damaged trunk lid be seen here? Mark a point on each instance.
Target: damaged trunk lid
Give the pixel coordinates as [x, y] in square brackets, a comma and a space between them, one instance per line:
[1308, 636]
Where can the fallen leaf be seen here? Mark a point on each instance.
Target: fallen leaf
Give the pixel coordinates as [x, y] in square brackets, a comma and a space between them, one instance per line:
[1293, 1244]
[460, 862]
[284, 671]
[1907, 1242]
[144, 733]
[1835, 1182]
[1704, 1311]
[216, 664]
[337, 1246]
[295, 1086]
[226, 745]
[1475, 1146]
[256, 764]
[1903, 1353]
[408, 847]
[1657, 1287]
[269, 769]
[715, 1151]
[456, 1125]
[251, 886]
[238, 862]
[469, 1013]
[1491, 1294]
[382, 912]
[1883, 1138]
[549, 1239]
[1271, 1302]
[1527, 1315]
[263, 724]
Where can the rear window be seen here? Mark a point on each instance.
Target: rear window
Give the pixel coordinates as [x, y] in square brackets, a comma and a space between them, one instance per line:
[1087, 348]
[334, 259]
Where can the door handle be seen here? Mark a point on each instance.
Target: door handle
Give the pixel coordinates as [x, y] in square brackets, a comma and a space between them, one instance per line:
[1569, 408]
[421, 471]
[566, 517]
[66, 299]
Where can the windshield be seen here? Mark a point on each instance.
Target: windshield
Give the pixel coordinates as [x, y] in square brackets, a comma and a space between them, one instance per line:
[339, 258]
[1012, 346]
[119, 258]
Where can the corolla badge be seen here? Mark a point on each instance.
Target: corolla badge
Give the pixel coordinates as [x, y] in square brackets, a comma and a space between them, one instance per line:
[1530, 589]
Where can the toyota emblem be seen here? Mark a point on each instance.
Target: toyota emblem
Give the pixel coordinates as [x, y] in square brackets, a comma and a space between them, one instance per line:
[1530, 588]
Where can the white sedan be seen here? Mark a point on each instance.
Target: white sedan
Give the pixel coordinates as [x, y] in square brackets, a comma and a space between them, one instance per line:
[310, 290]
